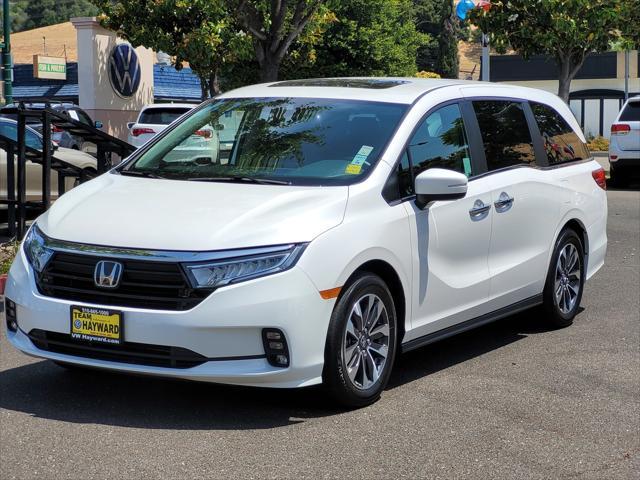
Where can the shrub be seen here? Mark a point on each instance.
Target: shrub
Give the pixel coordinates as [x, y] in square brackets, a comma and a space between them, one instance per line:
[425, 74]
[8, 251]
[598, 144]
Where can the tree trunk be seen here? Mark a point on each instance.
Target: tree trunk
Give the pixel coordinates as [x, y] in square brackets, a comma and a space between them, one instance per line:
[214, 84]
[564, 80]
[569, 67]
[269, 68]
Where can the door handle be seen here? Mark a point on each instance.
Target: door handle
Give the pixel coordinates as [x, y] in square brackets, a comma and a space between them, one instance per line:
[503, 203]
[479, 210]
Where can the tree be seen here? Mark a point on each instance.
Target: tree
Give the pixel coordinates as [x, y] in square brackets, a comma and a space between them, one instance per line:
[567, 30]
[273, 25]
[200, 32]
[361, 37]
[630, 28]
[28, 14]
[436, 18]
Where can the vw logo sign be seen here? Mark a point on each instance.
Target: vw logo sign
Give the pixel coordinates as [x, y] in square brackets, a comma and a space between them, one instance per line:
[124, 70]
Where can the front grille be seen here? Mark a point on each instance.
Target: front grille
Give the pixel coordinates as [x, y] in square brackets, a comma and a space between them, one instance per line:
[126, 352]
[144, 283]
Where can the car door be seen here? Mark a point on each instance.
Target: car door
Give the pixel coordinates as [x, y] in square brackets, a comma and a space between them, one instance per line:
[525, 204]
[450, 238]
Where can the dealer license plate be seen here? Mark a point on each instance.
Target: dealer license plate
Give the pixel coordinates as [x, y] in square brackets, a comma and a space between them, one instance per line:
[96, 324]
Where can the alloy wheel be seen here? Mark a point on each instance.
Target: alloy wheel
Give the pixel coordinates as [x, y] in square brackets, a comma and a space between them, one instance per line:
[365, 345]
[568, 278]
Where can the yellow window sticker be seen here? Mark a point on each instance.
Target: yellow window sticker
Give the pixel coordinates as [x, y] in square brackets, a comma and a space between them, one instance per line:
[355, 167]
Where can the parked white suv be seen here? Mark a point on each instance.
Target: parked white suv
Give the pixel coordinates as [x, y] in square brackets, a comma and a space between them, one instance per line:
[352, 220]
[153, 119]
[624, 144]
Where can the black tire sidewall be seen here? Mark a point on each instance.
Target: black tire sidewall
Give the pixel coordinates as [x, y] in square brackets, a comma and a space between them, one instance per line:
[334, 374]
[556, 316]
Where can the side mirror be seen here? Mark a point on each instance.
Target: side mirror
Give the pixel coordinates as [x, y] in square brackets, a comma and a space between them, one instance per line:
[130, 124]
[97, 124]
[439, 184]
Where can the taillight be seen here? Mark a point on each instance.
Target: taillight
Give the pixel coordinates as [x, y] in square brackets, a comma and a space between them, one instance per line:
[203, 133]
[139, 131]
[600, 178]
[55, 129]
[620, 129]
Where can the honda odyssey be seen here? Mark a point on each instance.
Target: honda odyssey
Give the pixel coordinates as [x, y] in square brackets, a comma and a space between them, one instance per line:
[348, 220]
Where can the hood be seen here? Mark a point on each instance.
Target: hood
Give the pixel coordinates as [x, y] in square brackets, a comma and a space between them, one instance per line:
[159, 214]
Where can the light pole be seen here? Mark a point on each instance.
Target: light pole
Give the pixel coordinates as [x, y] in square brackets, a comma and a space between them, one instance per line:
[7, 68]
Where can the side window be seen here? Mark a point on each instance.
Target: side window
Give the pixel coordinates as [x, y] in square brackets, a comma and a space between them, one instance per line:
[33, 140]
[84, 118]
[505, 133]
[560, 141]
[405, 180]
[441, 142]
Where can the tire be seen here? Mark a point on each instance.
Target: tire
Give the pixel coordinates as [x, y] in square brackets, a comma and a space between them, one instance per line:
[616, 179]
[565, 280]
[349, 374]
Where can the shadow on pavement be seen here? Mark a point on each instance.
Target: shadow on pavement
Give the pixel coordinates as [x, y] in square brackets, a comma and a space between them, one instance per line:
[45, 390]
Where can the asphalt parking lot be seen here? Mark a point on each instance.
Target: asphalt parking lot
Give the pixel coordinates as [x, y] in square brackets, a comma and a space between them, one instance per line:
[509, 400]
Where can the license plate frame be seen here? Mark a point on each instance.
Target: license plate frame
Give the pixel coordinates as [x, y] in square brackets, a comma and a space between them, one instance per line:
[94, 325]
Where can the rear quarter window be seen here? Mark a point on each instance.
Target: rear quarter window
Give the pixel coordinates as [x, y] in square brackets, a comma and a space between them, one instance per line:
[561, 143]
[631, 112]
[161, 116]
[505, 133]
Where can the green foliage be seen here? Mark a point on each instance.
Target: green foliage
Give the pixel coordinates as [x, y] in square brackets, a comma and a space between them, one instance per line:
[28, 14]
[198, 31]
[567, 30]
[366, 37]
[7, 252]
[630, 28]
[437, 19]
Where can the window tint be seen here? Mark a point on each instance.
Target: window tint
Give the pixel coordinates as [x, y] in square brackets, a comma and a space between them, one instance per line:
[10, 130]
[84, 118]
[505, 133]
[631, 112]
[440, 142]
[161, 116]
[561, 143]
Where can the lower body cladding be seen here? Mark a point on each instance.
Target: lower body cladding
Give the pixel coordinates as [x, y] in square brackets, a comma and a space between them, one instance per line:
[230, 337]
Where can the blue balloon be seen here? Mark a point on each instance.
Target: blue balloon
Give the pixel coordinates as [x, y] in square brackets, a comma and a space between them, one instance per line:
[463, 7]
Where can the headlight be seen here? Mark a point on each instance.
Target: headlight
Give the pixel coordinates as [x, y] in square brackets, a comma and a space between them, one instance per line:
[35, 248]
[257, 263]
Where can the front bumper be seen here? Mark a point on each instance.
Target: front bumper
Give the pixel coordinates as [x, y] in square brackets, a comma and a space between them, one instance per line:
[226, 328]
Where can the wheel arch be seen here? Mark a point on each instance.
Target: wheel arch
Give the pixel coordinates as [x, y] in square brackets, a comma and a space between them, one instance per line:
[390, 276]
[573, 222]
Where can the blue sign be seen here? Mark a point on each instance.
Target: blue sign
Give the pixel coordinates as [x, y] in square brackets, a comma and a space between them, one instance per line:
[124, 70]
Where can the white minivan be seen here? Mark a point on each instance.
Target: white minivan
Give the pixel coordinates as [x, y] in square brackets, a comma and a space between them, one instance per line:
[349, 221]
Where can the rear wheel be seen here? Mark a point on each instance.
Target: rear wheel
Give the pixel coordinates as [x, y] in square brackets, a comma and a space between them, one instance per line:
[565, 280]
[616, 179]
[361, 342]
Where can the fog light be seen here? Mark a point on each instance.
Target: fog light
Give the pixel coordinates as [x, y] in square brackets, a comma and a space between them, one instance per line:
[277, 351]
[10, 315]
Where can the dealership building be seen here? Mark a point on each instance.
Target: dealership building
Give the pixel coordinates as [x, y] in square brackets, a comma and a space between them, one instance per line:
[108, 78]
[112, 81]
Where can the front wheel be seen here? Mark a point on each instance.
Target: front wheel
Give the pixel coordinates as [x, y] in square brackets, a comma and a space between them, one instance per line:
[565, 280]
[361, 342]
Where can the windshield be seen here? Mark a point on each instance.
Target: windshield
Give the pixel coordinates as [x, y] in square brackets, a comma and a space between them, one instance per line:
[297, 141]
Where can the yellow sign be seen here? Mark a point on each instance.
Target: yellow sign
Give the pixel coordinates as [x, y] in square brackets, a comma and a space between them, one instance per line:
[54, 68]
[96, 324]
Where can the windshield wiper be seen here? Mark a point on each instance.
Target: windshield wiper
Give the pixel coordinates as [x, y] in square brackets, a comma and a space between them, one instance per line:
[238, 179]
[138, 173]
